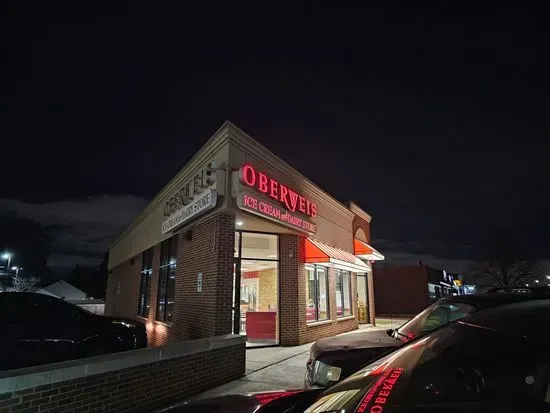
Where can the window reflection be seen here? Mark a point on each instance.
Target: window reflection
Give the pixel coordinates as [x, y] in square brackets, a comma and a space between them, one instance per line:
[167, 280]
[316, 293]
[145, 283]
[343, 293]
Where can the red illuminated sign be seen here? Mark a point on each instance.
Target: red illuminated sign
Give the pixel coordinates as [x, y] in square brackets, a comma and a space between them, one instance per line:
[266, 209]
[292, 201]
[265, 398]
[376, 398]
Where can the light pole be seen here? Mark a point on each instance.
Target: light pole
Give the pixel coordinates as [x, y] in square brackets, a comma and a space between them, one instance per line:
[7, 257]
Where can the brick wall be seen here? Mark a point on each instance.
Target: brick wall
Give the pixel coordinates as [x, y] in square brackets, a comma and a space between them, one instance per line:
[267, 289]
[291, 271]
[152, 380]
[294, 327]
[401, 290]
[209, 251]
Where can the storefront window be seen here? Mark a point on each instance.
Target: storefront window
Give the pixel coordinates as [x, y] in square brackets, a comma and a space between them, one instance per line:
[145, 283]
[167, 280]
[257, 261]
[343, 293]
[316, 294]
[431, 293]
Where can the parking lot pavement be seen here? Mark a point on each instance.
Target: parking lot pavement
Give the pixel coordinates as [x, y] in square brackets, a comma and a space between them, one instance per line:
[273, 368]
[392, 322]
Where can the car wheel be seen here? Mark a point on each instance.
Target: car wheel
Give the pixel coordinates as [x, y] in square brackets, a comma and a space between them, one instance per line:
[96, 348]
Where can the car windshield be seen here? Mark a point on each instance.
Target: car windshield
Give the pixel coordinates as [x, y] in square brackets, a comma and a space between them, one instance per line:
[451, 366]
[438, 314]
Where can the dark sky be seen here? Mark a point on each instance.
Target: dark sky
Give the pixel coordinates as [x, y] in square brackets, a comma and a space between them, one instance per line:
[433, 120]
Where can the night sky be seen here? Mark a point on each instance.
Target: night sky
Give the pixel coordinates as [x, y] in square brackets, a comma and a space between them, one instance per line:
[433, 120]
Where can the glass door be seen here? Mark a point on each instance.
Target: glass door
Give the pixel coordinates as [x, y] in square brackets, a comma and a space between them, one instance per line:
[362, 299]
[256, 288]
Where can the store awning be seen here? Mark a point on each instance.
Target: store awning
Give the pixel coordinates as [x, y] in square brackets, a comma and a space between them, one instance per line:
[365, 251]
[323, 254]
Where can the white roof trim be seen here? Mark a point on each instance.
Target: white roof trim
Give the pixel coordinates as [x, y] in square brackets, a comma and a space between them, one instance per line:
[356, 209]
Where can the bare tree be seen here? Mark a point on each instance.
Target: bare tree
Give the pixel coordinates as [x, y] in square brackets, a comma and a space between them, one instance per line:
[506, 273]
[504, 263]
[22, 284]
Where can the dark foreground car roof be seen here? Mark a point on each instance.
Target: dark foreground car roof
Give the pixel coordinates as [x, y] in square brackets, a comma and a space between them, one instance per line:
[527, 318]
[494, 299]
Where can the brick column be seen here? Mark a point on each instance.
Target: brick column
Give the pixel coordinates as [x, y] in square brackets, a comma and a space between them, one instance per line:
[225, 249]
[292, 293]
[205, 249]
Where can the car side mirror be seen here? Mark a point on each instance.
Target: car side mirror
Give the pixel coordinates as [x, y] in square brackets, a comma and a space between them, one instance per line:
[389, 332]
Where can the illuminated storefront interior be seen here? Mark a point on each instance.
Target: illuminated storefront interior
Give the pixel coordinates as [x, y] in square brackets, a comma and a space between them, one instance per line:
[256, 275]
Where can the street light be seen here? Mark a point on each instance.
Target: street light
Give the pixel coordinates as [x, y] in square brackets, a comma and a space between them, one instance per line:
[7, 256]
[537, 281]
[16, 269]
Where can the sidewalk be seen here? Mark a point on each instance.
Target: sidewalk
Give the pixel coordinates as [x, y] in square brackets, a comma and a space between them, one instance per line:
[392, 321]
[273, 368]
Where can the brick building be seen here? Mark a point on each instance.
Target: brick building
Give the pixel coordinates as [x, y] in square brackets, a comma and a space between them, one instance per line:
[407, 290]
[239, 242]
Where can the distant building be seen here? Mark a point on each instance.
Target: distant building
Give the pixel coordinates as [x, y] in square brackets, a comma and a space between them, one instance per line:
[64, 290]
[408, 290]
[68, 292]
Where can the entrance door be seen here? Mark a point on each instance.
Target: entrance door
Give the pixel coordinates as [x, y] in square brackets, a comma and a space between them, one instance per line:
[256, 288]
[362, 299]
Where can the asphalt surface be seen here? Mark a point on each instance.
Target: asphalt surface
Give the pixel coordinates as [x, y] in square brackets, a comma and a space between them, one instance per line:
[279, 368]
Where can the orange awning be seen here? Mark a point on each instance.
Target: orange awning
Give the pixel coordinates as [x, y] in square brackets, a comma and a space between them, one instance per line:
[365, 251]
[319, 253]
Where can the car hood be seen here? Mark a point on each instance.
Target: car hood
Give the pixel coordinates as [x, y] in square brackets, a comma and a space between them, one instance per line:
[111, 319]
[235, 403]
[356, 341]
[246, 403]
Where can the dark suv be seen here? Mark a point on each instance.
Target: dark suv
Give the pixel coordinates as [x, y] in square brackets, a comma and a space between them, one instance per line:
[334, 358]
[40, 329]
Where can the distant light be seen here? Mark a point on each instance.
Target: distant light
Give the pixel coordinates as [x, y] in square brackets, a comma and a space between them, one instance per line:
[548, 276]
[6, 256]
[14, 268]
[527, 284]
[537, 281]
[239, 223]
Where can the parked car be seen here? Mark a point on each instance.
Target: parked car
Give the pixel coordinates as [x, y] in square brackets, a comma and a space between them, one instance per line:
[334, 358]
[494, 360]
[39, 329]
